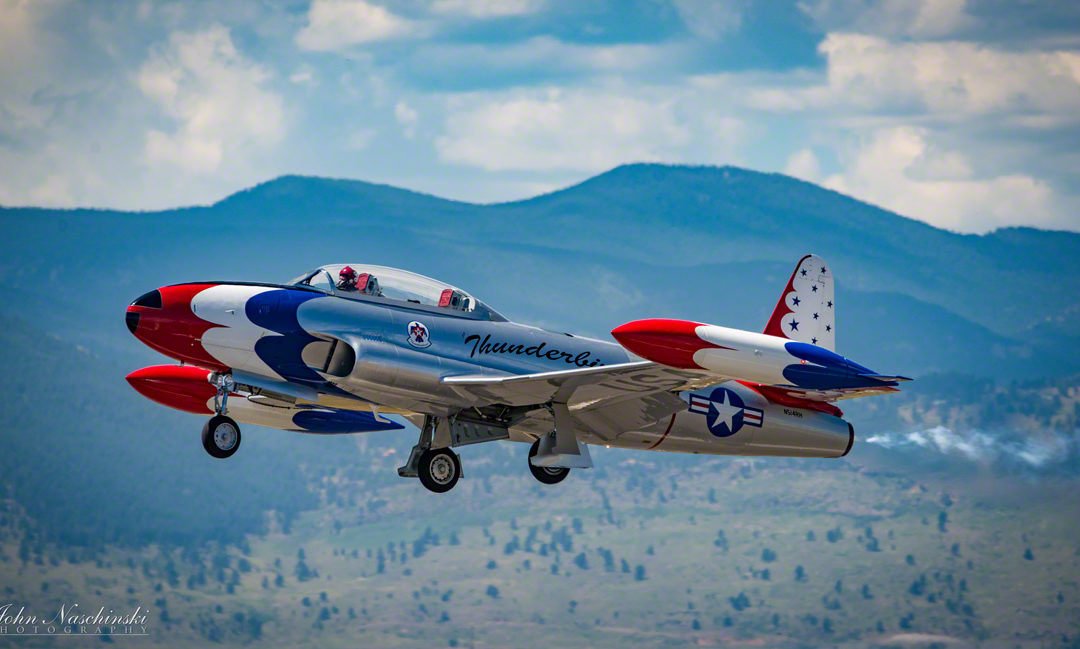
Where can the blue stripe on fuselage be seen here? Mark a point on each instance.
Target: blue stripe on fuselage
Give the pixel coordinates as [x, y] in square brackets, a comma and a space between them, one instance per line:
[330, 421]
[276, 311]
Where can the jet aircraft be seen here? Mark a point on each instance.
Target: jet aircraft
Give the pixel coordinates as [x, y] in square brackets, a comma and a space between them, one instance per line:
[338, 348]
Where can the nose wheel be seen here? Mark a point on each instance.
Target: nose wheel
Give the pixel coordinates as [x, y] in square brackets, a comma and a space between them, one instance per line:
[221, 436]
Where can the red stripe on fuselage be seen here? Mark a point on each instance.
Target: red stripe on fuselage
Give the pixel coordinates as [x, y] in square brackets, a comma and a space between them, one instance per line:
[664, 436]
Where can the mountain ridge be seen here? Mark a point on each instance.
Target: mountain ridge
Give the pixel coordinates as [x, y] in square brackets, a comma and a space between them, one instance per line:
[273, 186]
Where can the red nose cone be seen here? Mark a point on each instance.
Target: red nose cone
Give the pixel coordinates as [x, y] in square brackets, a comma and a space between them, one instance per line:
[668, 342]
[182, 387]
[163, 320]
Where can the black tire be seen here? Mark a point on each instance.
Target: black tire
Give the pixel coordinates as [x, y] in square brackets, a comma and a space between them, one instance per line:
[216, 436]
[545, 474]
[439, 469]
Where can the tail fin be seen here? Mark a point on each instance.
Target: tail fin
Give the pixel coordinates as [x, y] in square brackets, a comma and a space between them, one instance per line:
[806, 311]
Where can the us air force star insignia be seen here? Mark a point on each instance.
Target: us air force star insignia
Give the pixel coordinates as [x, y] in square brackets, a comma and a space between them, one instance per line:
[725, 412]
[725, 415]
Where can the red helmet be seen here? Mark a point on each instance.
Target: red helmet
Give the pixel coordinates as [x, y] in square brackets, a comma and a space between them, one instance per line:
[347, 273]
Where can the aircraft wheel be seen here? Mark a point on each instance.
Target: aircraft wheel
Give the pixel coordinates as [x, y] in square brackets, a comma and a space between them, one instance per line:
[221, 436]
[439, 469]
[546, 474]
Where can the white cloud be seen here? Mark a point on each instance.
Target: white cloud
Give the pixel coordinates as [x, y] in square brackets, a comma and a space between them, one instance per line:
[803, 164]
[339, 24]
[946, 79]
[302, 75]
[711, 19]
[216, 97]
[538, 57]
[361, 138]
[560, 130]
[908, 18]
[487, 8]
[899, 169]
[407, 117]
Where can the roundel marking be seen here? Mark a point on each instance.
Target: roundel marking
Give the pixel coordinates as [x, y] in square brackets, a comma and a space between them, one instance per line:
[725, 416]
[725, 412]
[417, 333]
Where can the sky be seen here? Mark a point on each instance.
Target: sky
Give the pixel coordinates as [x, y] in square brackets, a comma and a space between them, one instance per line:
[963, 114]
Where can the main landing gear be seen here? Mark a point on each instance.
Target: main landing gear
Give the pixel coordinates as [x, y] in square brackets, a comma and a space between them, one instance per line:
[438, 468]
[545, 474]
[221, 435]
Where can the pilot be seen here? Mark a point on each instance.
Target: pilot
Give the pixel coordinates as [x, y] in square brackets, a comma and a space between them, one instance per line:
[347, 279]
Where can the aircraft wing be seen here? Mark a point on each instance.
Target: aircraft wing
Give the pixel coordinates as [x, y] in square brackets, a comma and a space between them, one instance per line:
[607, 399]
[582, 387]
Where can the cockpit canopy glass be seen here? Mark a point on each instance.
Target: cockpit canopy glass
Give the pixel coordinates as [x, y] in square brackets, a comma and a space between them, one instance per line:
[393, 284]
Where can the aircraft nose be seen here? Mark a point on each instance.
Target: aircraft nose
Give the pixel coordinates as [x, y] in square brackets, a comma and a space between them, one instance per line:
[164, 320]
[141, 305]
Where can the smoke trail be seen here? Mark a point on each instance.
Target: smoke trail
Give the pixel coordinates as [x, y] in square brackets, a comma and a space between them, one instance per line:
[1042, 450]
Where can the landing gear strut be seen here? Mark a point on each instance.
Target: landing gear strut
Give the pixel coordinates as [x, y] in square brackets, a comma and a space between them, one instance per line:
[437, 468]
[546, 474]
[221, 435]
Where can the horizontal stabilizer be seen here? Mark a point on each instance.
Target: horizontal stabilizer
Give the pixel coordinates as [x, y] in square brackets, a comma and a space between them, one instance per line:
[888, 379]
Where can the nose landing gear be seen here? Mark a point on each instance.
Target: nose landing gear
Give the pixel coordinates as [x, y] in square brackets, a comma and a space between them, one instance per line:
[221, 435]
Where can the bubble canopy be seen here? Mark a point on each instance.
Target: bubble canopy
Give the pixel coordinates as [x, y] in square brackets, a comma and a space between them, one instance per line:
[393, 285]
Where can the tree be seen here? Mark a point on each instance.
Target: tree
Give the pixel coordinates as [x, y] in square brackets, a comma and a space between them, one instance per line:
[639, 573]
[492, 592]
[800, 574]
[768, 555]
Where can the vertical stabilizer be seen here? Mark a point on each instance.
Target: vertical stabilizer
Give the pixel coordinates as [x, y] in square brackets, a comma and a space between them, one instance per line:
[806, 311]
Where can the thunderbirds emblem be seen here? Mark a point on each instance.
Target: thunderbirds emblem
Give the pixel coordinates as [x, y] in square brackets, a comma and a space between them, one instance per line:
[418, 334]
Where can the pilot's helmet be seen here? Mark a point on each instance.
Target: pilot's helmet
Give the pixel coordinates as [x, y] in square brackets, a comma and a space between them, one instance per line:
[347, 275]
